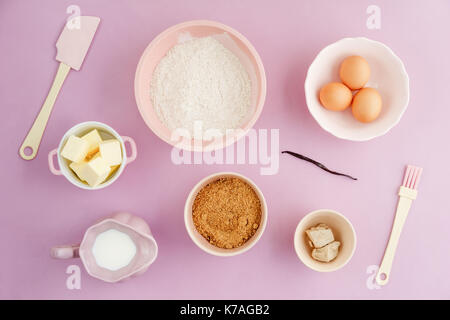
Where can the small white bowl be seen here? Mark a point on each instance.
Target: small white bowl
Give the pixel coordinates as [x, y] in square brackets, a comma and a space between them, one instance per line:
[198, 239]
[106, 132]
[388, 76]
[342, 230]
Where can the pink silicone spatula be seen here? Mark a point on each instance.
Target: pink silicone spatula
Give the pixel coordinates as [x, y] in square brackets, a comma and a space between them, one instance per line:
[72, 46]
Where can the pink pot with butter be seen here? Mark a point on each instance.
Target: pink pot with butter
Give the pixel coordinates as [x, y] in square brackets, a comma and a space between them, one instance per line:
[80, 146]
[114, 249]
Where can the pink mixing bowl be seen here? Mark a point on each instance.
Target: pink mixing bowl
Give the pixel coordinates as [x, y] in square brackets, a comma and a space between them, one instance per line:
[158, 48]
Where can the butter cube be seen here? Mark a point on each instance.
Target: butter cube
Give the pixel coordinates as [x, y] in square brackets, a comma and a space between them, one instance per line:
[93, 138]
[113, 170]
[75, 149]
[77, 167]
[111, 152]
[95, 171]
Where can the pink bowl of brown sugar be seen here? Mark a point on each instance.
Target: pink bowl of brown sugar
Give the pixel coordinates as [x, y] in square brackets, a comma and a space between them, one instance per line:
[225, 214]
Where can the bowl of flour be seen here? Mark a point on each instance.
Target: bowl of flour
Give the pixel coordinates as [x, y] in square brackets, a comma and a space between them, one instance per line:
[200, 86]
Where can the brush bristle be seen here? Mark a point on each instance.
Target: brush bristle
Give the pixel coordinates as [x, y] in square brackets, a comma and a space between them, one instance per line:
[412, 177]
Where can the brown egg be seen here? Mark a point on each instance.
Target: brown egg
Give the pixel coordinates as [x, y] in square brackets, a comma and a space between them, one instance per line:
[366, 106]
[335, 96]
[354, 72]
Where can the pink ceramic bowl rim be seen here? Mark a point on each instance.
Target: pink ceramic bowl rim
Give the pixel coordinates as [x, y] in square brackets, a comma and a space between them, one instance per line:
[146, 265]
[208, 23]
[192, 231]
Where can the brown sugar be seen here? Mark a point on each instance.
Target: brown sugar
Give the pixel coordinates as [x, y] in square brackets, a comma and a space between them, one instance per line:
[227, 212]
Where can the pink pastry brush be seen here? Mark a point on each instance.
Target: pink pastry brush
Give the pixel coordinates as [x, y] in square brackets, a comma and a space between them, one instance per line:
[407, 193]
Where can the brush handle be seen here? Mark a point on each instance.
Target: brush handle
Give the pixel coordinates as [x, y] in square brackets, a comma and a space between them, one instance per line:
[34, 136]
[404, 204]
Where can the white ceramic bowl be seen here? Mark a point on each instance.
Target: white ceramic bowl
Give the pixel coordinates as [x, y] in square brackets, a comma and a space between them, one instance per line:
[342, 230]
[106, 132]
[388, 76]
[198, 239]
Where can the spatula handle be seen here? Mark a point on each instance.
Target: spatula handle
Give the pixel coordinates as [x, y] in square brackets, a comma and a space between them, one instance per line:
[33, 139]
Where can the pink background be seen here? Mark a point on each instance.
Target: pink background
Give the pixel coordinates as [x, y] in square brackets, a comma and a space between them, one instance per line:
[41, 210]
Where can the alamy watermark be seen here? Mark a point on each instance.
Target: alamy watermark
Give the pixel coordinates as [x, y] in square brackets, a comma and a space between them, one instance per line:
[374, 19]
[371, 283]
[236, 146]
[73, 21]
[73, 281]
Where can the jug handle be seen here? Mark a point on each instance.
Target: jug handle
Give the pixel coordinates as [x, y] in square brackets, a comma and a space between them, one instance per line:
[65, 252]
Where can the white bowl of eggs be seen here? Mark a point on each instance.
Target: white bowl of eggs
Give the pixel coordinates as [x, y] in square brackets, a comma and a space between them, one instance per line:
[357, 89]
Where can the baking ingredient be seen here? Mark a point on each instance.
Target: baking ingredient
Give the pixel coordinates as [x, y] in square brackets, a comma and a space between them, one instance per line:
[227, 212]
[113, 249]
[318, 164]
[113, 170]
[320, 235]
[77, 166]
[354, 72]
[321, 239]
[199, 80]
[97, 161]
[95, 171]
[335, 96]
[93, 138]
[111, 152]
[75, 149]
[326, 253]
[366, 106]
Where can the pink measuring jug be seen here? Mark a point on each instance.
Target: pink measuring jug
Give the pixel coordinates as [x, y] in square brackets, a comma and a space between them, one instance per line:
[135, 227]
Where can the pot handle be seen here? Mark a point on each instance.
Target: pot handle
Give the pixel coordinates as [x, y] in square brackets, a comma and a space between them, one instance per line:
[65, 252]
[51, 165]
[133, 155]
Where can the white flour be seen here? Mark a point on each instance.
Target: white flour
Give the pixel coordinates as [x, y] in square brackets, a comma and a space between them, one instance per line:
[201, 80]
